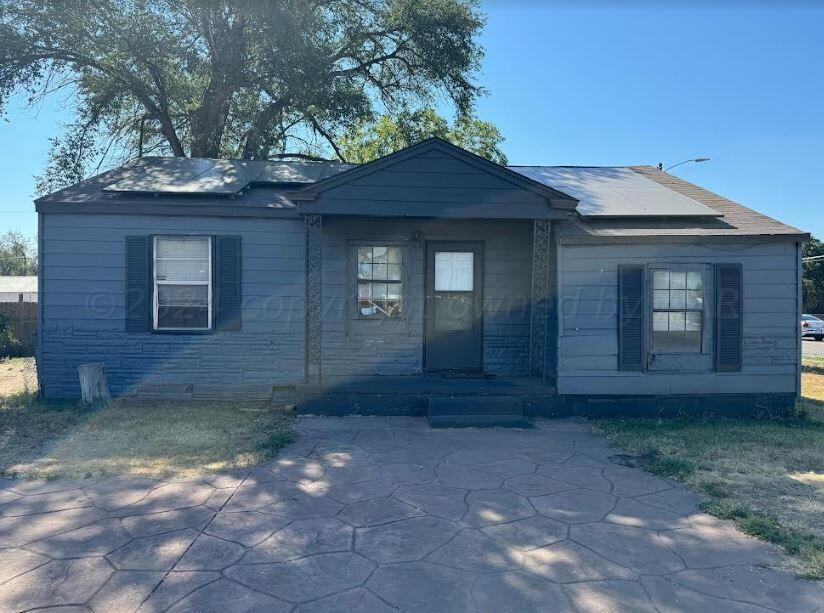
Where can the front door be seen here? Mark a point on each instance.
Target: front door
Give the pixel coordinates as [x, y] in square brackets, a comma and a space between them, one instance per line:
[453, 334]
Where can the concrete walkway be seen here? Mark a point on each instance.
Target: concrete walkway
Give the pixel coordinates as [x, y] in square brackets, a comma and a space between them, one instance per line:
[384, 514]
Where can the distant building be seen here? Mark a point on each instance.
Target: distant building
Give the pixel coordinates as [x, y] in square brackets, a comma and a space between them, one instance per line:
[18, 289]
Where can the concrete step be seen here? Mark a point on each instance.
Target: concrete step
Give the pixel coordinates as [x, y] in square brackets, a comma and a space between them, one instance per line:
[475, 405]
[477, 412]
[479, 421]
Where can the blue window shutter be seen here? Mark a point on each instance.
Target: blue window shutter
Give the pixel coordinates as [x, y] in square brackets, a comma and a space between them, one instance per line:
[728, 317]
[631, 307]
[138, 283]
[227, 283]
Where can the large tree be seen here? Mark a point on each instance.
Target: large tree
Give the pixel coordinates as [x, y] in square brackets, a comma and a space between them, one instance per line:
[242, 78]
[378, 137]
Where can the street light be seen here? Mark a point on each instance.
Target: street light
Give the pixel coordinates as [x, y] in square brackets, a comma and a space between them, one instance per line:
[696, 160]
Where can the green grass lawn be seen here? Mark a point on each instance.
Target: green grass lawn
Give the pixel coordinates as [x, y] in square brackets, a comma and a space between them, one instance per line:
[766, 475]
[153, 439]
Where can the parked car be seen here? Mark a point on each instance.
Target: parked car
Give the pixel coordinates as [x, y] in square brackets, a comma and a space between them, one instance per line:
[812, 326]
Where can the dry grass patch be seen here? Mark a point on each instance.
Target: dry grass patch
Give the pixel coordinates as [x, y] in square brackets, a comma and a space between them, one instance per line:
[152, 439]
[767, 475]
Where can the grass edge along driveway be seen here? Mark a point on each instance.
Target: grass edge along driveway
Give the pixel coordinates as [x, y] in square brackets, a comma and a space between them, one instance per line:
[766, 475]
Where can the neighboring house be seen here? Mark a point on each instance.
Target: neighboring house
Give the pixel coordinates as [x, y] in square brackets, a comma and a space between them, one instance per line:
[18, 289]
[430, 277]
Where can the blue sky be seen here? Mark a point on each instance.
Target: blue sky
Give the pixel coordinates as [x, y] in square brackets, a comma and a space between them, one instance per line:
[592, 84]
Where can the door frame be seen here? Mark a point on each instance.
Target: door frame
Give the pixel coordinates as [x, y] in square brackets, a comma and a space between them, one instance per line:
[429, 276]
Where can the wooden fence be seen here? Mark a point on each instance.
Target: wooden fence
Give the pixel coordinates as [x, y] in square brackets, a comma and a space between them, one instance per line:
[23, 324]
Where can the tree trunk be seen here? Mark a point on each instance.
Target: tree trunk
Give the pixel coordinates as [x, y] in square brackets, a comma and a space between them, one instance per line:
[93, 386]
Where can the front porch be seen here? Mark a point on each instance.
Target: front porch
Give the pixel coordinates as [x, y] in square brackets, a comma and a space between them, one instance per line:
[426, 263]
[412, 395]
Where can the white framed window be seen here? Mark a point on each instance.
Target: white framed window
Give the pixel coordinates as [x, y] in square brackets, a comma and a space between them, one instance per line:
[677, 310]
[182, 271]
[379, 281]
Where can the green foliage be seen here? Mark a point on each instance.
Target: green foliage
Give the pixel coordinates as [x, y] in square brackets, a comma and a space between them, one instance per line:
[18, 256]
[232, 78]
[9, 345]
[383, 135]
[813, 277]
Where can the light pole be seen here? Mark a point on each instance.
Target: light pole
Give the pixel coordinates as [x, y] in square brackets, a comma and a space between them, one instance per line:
[696, 160]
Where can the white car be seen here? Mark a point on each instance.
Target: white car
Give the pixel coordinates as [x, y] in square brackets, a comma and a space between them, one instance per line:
[812, 326]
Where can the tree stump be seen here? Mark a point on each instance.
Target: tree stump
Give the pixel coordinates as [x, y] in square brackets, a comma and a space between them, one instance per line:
[93, 386]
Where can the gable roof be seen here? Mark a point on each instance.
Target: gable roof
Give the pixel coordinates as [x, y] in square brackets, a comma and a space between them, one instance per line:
[553, 196]
[275, 188]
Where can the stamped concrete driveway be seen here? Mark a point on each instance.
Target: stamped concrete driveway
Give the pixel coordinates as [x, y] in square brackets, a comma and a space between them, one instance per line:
[379, 515]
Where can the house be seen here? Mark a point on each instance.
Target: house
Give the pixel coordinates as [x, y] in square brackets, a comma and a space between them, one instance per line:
[18, 289]
[428, 280]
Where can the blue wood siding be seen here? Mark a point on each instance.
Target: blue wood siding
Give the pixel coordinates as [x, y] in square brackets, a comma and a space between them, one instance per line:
[354, 348]
[83, 301]
[588, 327]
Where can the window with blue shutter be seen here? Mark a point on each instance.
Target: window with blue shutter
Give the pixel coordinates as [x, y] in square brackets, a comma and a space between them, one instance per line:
[138, 284]
[728, 317]
[227, 283]
[631, 317]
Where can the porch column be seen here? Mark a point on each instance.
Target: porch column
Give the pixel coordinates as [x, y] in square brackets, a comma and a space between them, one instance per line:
[540, 298]
[313, 298]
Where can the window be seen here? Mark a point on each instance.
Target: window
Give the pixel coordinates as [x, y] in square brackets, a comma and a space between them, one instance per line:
[380, 284]
[182, 283]
[677, 310]
[454, 271]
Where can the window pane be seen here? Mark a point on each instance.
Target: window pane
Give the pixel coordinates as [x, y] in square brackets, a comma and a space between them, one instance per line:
[379, 299]
[393, 291]
[364, 270]
[695, 299]
[196, 247]
[660, 322]
[365, 255]
[183, 295]
[182, 270]
[677, 321]
[678, 280]
[183, 259]
[379, 272]
[660, 279]
[454, 271]
[678, 299]
[182, 317]
[695, 280]
[182, 306]
[394, 255]
[693, 321]
[660, 299]
[379, 255]
[394, 272]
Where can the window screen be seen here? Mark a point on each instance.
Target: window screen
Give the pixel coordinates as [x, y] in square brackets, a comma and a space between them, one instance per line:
[677, 310]
[380, 281]
[182, 279]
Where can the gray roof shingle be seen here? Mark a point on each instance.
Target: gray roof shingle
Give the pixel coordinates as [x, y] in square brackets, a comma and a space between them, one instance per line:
[270, 185]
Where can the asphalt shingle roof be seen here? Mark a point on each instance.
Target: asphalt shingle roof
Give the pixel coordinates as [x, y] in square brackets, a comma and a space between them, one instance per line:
[270, 184]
